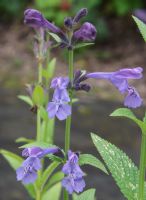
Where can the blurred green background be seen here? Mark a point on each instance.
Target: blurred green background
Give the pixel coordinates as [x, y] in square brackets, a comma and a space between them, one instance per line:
[56, 10]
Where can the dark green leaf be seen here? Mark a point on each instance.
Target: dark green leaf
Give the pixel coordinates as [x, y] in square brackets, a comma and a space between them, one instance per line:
[121, 167]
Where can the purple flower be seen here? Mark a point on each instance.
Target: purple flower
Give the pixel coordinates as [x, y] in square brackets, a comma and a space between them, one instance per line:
[82, 13]
[73, 181]
[140, 14]
[59, 106]
[120, 80]
[80, 76]
[27, 172]
[87, 32]
[60, 83]
[35, 19]
[38, 152]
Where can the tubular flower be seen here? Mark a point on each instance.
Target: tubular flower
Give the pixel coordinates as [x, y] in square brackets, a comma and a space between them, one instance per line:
[59, 106]
[35, 19]
[73, 181]
[87, 32]
[120, 80]
[27, 172]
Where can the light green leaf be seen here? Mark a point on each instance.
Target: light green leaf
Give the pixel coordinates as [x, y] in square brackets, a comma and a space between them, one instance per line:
[74, 100]
[54, 192]
[51, 68]
[43, 113]
[26, 99]
[80, 45]
[38, 95]
[93, 161]
[23, 140]
[37, 144]
[15, 161]
[125, 112]
[141, 27]
[86, 195]
[55, 178]
[48, 171]
[55, 37]
[121, 167]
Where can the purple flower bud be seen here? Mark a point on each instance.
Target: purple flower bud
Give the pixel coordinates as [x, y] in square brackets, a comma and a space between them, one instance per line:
[140, 14]
[87, 32]
[35, 19]
[68, 22]
[82, 13]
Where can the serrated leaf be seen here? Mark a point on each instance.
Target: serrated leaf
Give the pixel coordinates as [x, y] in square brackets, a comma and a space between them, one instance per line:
[26, 99]
[141, 27]
[48, 171]
[123, 170]
[80, 45]
[91, 160]
[37, 144]
[125, 112]
[55, 37]
[38, 95]
[23, 140]
[15, 162]
[55, 178]
[86, 195]
[54, 192]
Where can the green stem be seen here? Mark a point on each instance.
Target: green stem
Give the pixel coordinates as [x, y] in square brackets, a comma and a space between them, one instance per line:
[142, 167]
[38, 111]
[38, 195]
[68, 120]
[65, 195]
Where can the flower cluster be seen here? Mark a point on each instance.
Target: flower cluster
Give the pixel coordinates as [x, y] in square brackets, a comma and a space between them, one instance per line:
[59, 106]
[27, 173]
[73, 181]
[119, 79]
[87, 32]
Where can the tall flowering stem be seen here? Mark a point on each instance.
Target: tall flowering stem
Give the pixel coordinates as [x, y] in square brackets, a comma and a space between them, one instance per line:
[68, 121]
[142, 167]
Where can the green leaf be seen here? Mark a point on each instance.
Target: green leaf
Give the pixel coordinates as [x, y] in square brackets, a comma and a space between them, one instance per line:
[55, 158]
[125, 112]
[80, 45]
[43, 113]
[38, 95]
[51, 68]
[15, 162]
[141, 27]
[86, 195]
[23, 140]
[48, 171]
[55, 37]
[37, 144]
[54, 192]
[26, 99]
[74, 100]
[13, 159]
[55, 178]
[91, 160]
[121, 167]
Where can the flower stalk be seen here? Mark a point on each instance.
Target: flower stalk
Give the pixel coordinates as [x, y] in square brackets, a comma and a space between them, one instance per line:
[142, 167]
